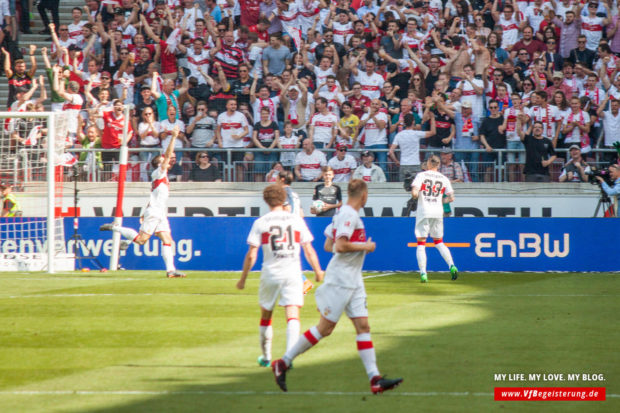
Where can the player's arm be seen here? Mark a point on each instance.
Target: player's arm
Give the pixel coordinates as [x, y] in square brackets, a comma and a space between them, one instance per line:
[448, 198]
[170, 148]
[344, 245]
[313, 260]
[248, 263]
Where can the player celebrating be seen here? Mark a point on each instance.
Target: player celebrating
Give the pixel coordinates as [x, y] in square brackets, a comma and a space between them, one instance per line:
[431, 188]
[155, 219]
[280, 233]
[343, 291]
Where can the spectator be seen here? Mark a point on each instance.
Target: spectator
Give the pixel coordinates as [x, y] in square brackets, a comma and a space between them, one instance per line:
[10, 204]
[52, 6]
[581, 54]
[409, 142]
[20, 80]
[539, 152]
[452, 170]
[265, 136]
[232, 127]
[576, 169]
[310, 163]
[201, 128]
[203, 170]
[290, 139]
[276, 56]
[374, 125]
[274, 172]
[342, 164]
[368, 171]
[112, 135]
[611, 126]
[149, 131]
[492, 138]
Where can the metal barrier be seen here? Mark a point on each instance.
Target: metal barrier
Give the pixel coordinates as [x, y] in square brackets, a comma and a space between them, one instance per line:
[26, 164]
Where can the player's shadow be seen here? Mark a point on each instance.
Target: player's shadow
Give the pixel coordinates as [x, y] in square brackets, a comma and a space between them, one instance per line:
[448, 363]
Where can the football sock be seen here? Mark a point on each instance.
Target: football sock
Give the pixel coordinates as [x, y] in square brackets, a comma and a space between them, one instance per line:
[128, 233]
[166, 253]
[266, 337]
[445, 252]
[293, 327]
[421, 255]
[367, 353]
[306, 340]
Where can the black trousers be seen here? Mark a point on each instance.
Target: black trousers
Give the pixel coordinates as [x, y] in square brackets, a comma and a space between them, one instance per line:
[51, 5]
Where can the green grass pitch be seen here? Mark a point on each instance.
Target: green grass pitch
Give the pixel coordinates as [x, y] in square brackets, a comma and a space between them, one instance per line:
[134, 341]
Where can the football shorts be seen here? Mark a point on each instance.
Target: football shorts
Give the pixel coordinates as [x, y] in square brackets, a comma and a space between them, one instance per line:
[154, 222]
[290, 291]
[333, 300]
[429, 226]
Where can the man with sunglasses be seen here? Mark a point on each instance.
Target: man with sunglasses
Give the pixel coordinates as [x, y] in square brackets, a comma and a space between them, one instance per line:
[592, 24]
[492, 137]
[581, 54]
[343, 164]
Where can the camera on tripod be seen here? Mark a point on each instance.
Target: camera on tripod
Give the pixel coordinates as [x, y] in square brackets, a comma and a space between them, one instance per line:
[603, 173]
[412, 203]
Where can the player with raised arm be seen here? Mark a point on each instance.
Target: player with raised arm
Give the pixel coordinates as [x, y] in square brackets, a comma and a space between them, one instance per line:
[280, 234]
[431, 188]
[343, 291]
[155, 219]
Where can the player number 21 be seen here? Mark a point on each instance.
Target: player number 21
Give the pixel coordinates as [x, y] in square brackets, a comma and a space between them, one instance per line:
[280, 237]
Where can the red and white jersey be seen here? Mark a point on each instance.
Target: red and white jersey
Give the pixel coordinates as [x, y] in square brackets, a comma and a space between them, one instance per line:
[271, 103]
[613, 92]
[374, 135]
[510, 114]
[128, 35]
[160, 190]
[535, 15]
[75, 32]
[435, 7]
[573, 84]
[323, 126]
[198, 60]
[371, 85]
[345, 268]
[592, 28]
[288, 17]
[280, 234]
[522, 5]
[308, 9]
[310, 166]
[167, 128]
[73, 106]
[321, 75]
[576, 135]
[288, 158]
[510, 31]
[432, 185]
[231, 125]
[612, 65]
[63, 43]
[152, 137]
[547, 116]
[342, 32]
[343, 168]
[491, 92]
[125, 81]
[412, 41]
[469, 95]
[596, 96]
[334, 100]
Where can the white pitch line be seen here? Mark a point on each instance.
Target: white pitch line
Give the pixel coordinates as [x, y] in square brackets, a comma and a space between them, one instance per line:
[242, 393]
[379, 275]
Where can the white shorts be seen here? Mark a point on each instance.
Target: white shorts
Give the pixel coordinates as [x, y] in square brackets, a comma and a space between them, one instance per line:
[332, 300]
[429, 226]
[290, 290]
[154, 222]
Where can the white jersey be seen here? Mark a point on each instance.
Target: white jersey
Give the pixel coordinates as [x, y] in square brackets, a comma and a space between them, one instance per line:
[592, 28]
[288, 158]
[321, 75]
[288, 18]
[280, 234]
[611, 126]
[374, 135]
[231, 125]
[511, 114]
[167, 127]
[198, 60]
[75, 32]
[310, 166]
[409, 143]
[342, 32]
[547, 116]
[510, 31]
[308, 9]
[535, 15]
[413, 42]
[345, 268]
[271, 103]
[470, 95]
[160, 189]
[574, 136]
[152, 137]
[343, 168]
[371, 85]
[334, 100]
[73, 106]
[432, 185]
[323, 126]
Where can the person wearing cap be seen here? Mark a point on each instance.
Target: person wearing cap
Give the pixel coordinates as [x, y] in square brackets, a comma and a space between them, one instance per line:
[342, 164]
[368, 171]
[10, 204]
[558, 85]
[576, 169]
[539, 152]
[452, 170]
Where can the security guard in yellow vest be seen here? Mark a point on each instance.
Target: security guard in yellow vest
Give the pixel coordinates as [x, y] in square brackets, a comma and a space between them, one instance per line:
[10, 205]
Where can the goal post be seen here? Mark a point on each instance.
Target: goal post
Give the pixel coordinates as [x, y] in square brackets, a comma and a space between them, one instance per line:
[32, 163]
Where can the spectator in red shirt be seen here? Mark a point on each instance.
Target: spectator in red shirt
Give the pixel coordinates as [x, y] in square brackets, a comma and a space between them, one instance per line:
[359, 102]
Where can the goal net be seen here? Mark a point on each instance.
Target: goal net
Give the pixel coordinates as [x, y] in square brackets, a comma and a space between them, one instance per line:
[33, 165]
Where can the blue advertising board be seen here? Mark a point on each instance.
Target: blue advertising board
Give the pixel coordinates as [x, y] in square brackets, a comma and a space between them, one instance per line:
[477, 244]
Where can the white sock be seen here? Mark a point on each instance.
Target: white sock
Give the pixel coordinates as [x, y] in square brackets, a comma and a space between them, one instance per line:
[128, 233]
[367, 353]
[421, 255]
[266, 337]
[166, 253]
[306, 340]
[445, 253]
[293, 326]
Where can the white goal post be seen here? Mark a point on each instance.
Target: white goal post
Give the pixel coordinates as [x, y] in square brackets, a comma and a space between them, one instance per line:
[32, 162]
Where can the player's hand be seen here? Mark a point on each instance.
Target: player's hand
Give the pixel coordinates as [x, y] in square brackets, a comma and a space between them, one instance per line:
[370, 245]
[319, 276]
[241, 284]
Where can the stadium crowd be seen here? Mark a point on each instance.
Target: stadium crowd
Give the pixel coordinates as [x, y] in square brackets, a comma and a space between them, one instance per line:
[358, 86]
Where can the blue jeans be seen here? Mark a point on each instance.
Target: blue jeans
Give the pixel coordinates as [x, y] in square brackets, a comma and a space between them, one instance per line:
[380, 157]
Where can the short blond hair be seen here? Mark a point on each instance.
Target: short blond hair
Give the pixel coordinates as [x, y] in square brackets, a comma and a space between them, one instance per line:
[357, 188]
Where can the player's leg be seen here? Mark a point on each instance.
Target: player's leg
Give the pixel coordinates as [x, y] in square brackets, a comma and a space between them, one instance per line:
[166, 251]
[437, 235]
[265, 332]
[293, 326]
[421, 233]
[128, 233]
